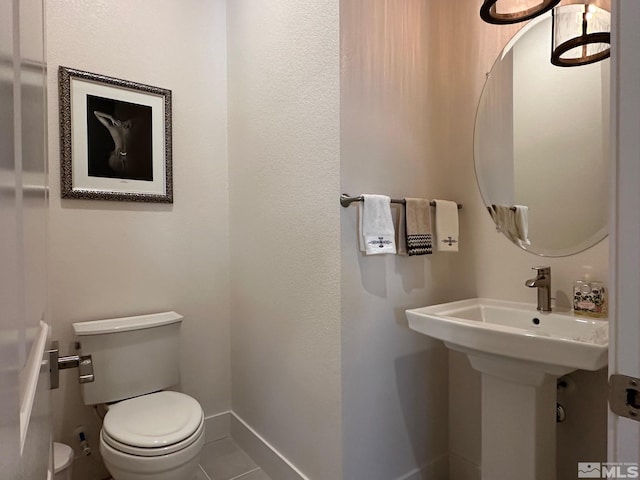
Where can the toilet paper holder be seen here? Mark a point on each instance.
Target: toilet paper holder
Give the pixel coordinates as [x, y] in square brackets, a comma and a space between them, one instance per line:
[84, 363]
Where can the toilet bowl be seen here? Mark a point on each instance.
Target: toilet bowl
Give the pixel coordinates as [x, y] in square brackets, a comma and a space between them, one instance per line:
[148, 433]
[156, 436]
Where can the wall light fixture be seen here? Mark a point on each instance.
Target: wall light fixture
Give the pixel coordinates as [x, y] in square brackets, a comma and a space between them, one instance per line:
[503, 12]
[581, 33]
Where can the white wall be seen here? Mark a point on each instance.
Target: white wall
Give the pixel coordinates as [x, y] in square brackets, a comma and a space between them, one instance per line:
[119, 258]
[492, 266]
[394, 380]
[284, 156]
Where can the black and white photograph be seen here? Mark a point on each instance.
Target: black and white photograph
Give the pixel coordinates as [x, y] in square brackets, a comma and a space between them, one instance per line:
[116, 139]
[120, 139]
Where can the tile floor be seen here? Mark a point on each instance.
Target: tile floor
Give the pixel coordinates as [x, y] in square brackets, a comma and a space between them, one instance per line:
[224, 460]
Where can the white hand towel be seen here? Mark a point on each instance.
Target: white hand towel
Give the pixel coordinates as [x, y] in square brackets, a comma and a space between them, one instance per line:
[522, 223]
[377, 235]
[447, 226]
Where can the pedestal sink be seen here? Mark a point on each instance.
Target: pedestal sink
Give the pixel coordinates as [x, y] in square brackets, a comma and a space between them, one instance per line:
[520, 353]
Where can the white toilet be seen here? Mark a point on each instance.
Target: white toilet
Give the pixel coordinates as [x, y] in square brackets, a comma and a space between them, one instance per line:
[147, 433]
[62, 461]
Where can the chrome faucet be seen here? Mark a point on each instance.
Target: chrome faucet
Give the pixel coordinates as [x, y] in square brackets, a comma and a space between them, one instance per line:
[543, 283]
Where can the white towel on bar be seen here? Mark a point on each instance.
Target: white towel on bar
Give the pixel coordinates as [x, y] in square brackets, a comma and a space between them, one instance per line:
[376, 232]
[447, 226]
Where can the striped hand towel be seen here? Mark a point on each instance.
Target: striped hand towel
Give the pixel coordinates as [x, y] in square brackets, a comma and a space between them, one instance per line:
[418, 225]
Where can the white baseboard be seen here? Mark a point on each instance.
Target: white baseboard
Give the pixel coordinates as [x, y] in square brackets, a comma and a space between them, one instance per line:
[274, 464]
[228, 424]
[217, 427]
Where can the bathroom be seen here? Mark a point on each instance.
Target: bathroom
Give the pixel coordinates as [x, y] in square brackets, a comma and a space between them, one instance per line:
[292, 341]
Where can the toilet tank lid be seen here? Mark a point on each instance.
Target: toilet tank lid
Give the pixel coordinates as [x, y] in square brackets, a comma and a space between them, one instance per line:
[124, 324]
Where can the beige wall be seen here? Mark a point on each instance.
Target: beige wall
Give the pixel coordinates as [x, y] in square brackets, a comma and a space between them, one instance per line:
[499, 268]
[284, 185]
[119, 258]
[492, 266]
[394, 380]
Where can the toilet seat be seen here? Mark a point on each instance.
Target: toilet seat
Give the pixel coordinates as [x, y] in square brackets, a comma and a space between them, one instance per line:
[152, 452]
[155, 424]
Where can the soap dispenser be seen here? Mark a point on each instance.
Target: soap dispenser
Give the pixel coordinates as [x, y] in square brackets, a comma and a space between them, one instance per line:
[589, 296]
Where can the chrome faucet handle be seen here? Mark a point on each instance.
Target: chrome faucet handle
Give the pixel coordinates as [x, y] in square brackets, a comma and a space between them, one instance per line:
[542, 270]
[543, 283]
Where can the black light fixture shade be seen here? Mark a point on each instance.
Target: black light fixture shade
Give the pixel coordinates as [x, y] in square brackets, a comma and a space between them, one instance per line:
[581, 34]
[489, 13]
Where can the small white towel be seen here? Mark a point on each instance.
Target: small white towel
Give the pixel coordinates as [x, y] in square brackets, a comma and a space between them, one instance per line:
[522, 223]
[447, 226]
[377, 235]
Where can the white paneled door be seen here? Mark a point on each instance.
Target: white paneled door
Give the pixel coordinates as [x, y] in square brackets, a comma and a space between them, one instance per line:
[25, 421]
[624, 358]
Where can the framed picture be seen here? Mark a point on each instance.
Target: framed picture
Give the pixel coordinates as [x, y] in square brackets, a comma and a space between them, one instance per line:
[115, 139]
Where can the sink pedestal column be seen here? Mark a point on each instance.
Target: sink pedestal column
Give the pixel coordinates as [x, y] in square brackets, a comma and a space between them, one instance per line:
[520, 353]
[518, 428]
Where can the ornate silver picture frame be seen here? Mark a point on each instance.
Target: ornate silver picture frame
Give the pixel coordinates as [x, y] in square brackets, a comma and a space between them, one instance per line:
[115, 139]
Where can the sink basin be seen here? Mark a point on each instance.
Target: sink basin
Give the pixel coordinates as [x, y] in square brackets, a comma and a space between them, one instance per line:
[520, 352]
[555, 342]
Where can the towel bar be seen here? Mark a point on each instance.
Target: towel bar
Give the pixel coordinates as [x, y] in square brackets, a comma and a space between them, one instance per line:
[346, 200]
[513, 209]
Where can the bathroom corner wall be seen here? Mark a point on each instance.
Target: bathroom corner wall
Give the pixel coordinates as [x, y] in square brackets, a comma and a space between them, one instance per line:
[284, 160]
[394, 383]
[122, 258]
[492, 266]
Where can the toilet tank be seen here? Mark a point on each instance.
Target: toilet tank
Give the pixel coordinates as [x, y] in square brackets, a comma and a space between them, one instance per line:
[131, 356]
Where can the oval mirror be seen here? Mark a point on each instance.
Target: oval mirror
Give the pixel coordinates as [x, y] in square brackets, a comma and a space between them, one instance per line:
[541, 145]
